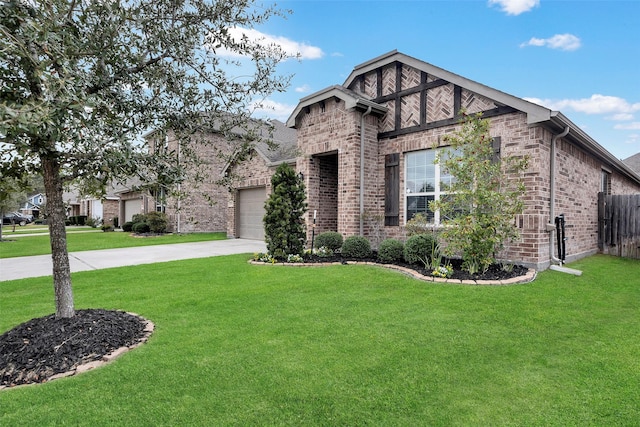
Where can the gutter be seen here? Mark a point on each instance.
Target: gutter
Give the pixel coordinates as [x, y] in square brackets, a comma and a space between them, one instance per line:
[366, 113]
[552, 194]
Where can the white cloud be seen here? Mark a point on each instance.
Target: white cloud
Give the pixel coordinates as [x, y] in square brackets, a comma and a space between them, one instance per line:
[559, 41]
[515, 7]
[303, 89]
[273, 110]
[596, 104]
[290, 47]
[628, 126]
[621, 117]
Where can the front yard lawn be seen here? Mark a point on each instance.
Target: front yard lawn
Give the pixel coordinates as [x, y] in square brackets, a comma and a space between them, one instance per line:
[39, 245]
[241, 344]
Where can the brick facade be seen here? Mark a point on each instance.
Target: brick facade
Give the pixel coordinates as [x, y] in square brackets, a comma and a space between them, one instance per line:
[418, 104]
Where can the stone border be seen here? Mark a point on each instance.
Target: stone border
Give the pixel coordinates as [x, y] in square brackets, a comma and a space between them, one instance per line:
[107, 358]
[527, 278]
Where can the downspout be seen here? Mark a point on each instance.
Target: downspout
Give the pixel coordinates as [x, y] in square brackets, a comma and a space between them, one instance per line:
[551, 228]
[366, 113]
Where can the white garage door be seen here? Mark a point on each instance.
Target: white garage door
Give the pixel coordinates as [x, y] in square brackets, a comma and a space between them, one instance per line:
[131, 207]
[250, 203]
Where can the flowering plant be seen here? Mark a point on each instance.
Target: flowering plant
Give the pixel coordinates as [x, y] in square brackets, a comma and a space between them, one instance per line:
[294, 258]
[444, 271]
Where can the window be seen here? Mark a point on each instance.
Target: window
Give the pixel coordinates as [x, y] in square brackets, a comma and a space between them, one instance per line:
[605, 182]
[160, 199]
[425, 182]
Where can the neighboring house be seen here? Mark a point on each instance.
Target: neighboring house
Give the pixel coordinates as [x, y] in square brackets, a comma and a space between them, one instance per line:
[105, 209]
[251, 184]
[633, 162]
[202, 203]
[366, 154]
[33, 205]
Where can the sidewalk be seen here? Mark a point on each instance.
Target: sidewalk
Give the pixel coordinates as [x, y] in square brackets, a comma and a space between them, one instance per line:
[41, 265]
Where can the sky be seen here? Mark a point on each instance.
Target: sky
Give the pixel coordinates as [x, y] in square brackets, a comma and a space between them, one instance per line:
[579, 57]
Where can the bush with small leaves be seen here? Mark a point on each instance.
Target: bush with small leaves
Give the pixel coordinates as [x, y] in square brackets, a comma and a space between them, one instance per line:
[127, 226]
[140, 227]
[420, 248]
[157, 222]
[330, 240]
[391, 251]
[356, 247]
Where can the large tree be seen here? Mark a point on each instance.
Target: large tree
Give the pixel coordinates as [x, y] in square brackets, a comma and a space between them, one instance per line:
[80, 80]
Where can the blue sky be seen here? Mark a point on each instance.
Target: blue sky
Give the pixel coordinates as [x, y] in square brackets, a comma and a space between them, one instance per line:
[575, 56]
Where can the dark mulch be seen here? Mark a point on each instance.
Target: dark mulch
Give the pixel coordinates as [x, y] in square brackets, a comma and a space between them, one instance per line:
[495, 271]
[40, 348]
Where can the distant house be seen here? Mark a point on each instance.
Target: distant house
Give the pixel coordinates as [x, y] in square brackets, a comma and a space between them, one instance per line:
[366, 151]
[34, 204]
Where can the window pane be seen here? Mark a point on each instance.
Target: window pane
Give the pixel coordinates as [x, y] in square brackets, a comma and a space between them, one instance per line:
[419, 204]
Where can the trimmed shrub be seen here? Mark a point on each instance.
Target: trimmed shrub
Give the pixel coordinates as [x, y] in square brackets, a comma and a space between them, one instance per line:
[284, 227]
[391, 251]
[127, 226]
[330, 240]
[141, 227]
[157, 222]
[356, 247]
[420, 248]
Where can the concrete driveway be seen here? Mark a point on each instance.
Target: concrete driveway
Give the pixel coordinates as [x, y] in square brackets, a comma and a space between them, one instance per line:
[41, 265]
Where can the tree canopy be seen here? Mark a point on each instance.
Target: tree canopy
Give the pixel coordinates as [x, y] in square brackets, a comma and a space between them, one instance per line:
[81, 80]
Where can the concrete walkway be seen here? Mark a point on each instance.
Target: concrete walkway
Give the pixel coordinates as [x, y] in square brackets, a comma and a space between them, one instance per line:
[41, 265]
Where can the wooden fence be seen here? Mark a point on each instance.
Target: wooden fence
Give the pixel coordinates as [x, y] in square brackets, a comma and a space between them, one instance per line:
[619, 225]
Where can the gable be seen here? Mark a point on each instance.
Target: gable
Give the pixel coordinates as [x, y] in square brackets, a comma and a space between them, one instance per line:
[418, 99]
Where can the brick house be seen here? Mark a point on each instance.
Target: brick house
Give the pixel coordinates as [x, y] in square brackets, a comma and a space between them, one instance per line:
[204, 203]
[366, 154]
[251, 184]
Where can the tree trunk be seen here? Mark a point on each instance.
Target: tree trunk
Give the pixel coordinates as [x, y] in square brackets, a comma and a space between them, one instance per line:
[58, 236]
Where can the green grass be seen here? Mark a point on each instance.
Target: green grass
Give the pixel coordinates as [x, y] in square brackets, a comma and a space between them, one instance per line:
[238, 344]
[76, 242]
[7, 230]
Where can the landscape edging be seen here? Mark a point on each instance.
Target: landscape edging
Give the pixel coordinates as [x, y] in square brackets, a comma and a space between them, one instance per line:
[527, 278]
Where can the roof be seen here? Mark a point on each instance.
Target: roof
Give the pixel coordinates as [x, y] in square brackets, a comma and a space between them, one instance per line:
[351, 99]
[633, 162]
[284, 147]
[537, 115]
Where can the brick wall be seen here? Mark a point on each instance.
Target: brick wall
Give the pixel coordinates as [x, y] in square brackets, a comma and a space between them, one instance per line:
[201, 203]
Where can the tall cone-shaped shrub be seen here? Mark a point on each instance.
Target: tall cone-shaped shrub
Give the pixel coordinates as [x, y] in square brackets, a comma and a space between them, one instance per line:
[283, 221]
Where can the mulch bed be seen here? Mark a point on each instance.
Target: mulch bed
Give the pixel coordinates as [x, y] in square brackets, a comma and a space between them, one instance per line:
[38, 349]
[495, 272]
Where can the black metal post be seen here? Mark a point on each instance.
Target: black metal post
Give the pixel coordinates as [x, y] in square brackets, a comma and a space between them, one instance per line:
[313, 230]
[560, 237]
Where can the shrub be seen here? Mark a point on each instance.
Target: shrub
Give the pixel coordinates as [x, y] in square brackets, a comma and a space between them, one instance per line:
[284, 230]
[127, 226]
[93, 222]
[330, 240]
[157, 222]
[140, 227]
[356, 247]
[420, 248]
[417, 225]
[391, 251]
[107, 228]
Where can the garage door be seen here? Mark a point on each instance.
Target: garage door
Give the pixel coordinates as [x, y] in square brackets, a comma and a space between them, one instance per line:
[131, 207]
[250, 212]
